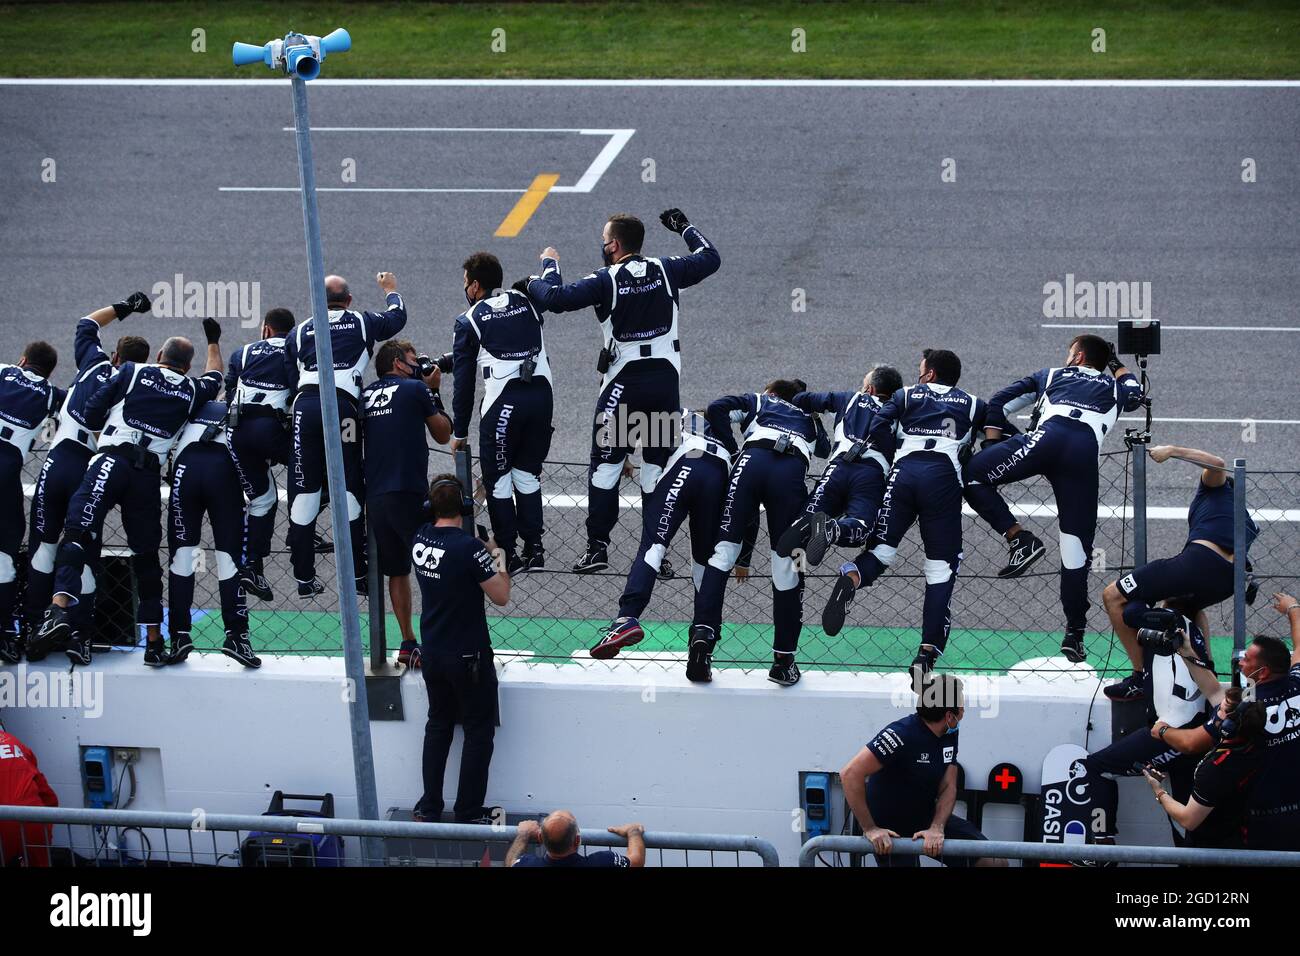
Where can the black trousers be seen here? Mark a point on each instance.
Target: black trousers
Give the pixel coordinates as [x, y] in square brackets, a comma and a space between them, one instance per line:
[456, 696]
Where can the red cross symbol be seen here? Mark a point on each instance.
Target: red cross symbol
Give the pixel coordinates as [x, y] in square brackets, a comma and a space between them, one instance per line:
[1005, 778]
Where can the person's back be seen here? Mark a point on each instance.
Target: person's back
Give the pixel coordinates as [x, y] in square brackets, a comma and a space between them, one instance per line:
[1273, 804]
[449, 565]
[396, 442]
[456, 574]
[932, 420]
[23, 785]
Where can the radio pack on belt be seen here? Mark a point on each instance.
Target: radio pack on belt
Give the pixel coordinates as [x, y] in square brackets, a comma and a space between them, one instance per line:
[856, 452]
[294, 849]
[527, 367]
[782, 445]
[606, 358]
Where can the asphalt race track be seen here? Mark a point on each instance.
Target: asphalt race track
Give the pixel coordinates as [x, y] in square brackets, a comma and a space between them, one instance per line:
[832, 190]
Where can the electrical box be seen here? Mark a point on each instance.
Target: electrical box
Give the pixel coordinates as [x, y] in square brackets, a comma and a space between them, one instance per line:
[97, 776]
[815, 800]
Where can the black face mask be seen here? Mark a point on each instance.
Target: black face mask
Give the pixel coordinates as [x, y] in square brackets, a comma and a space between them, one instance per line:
[606, 256]
[467, 298]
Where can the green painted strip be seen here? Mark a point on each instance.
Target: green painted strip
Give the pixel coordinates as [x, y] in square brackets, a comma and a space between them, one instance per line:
[315, 633]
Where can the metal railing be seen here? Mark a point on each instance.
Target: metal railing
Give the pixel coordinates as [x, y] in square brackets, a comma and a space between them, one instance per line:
[89, 837]
[1056, 852]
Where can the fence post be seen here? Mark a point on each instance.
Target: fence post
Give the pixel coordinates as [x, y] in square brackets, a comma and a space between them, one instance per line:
[465, 471]
[1139, 504]
[1240, 517]
[378, 635]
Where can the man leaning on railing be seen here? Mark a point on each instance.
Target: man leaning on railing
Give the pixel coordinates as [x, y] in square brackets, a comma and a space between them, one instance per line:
[905, 779]
[560, 837]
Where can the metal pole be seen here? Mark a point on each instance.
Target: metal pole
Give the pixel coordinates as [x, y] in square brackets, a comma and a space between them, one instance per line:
[1240, 516]
[378, 634]
[1139, 505]
[363, 758]
[465, 471]
[1059, 852]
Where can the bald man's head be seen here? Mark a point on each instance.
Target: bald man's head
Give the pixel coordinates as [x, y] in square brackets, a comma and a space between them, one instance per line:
[560, 833]
[337, 293]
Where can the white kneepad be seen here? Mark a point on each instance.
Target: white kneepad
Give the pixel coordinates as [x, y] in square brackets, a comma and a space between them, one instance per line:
[1073, 556]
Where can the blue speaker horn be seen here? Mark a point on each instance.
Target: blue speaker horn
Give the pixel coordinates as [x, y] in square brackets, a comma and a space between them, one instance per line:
[340, 41]
[245, 53]
[298, 54]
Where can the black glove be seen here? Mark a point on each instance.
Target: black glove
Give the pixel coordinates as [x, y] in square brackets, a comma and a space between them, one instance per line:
[135, 302]
[212, 331]
[1113, 364]
[521, 285]
[675, 220]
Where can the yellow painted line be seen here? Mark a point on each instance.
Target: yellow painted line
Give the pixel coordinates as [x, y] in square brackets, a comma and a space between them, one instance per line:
[527, 205]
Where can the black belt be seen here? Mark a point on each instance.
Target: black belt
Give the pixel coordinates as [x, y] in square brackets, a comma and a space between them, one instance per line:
[258, 411]
[315, 390]
[770, 444]
[137, 455]
[647, 350]
[6, 432]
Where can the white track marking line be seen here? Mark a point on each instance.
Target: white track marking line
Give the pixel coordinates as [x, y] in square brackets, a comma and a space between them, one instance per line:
[618, 138]
[721, 83]
[368, 189]
[1189, 328]
[1104, 510]
[1203, 422]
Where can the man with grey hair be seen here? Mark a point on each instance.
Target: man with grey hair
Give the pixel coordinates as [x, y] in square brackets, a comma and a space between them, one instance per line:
[139, 413]
[353, 337]
[560, 838]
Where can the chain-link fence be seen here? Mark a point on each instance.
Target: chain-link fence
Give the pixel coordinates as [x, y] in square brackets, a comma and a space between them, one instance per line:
[999, 626]
[1273, 500]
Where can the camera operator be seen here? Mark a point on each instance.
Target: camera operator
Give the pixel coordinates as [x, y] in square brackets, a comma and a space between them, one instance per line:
[1180, 688]
[141, 411]
[353, 336]
[400, 408]
[258, 390]
[905, 779]
[71, 449]
[499, 339]
[455, 572]
[1214, 816]
[635, 300]
[1201, 575]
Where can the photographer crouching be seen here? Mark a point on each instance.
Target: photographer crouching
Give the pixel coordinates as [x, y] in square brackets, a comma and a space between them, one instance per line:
[455, 571]
[1179, 687]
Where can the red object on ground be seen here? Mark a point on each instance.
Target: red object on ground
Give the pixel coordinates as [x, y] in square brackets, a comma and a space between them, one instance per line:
[23, 785]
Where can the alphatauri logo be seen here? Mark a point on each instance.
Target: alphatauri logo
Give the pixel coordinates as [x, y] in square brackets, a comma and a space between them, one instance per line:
[76, 909]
